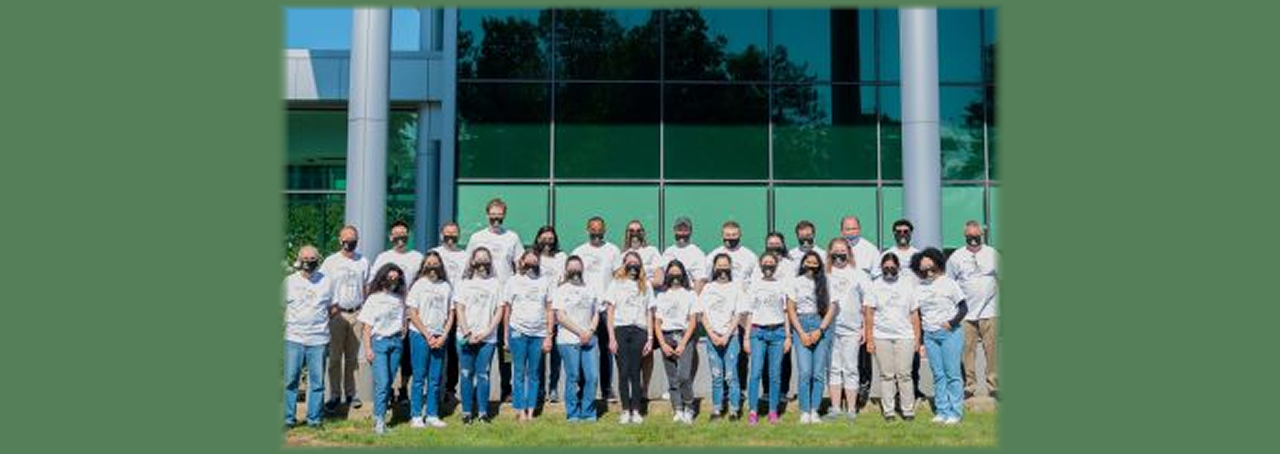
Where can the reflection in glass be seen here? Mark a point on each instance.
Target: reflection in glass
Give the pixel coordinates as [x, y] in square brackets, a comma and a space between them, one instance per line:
[716, 131]
[960, 118]
[607, 44]
[503, 44]
[503, 130]
[824, 132]
[607, 130]
[959, 45]
[710, 44]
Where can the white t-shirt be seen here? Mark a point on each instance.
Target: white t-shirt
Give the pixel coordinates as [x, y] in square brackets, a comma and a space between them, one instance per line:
[801, 290]
[598, 265]
[384, 313]
[694, 260]
[720, 304]
[307, 301]
[673, 308]
[409, 261]
[904, 257]
[348, 276]
[866, 256]
[938, 302]
[796, 253]
[630, 304]
[650, 259]
[552, 268]
[893, 303]
[578, 304]
[504, 248]
[528, 301]
[976, 274]
[432, 301]
[849, 287]
[455, 263]
[767, 302]
[743, 260]
[479, 299]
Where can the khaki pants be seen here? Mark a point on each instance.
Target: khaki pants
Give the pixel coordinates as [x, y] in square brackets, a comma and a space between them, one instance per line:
[976, 331]
[344, 354]
[894, 357]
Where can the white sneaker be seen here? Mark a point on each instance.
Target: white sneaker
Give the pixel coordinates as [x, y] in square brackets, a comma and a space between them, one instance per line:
[435, 422]
[804, 418]
[951, 421]
[814, 418]
[417, 423]
[625, 418]
[636, 418]
[688, 416]
[938, 419]
[677, 416]
[666, 396]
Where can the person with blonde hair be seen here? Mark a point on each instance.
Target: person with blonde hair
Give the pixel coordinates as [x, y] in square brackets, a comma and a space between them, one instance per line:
[630, 303]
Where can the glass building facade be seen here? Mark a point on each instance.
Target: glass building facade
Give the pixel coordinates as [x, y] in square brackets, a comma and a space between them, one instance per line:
[762, 116]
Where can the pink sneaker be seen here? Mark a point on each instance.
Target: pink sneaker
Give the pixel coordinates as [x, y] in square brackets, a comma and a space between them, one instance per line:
[773, 417]
[753, 419]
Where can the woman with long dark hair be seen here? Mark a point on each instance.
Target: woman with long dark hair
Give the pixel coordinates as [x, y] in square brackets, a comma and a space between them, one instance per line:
[383, 316]
[942, 307]
[811, 312]
[479, 310]
[430, 312]
[674, 323]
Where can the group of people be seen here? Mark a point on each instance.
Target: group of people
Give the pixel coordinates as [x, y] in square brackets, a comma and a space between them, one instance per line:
[834, 308]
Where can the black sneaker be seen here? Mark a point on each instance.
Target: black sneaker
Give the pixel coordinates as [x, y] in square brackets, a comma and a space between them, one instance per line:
[908, 418]
[484, 418]
[467, 420]
[890, 417]
[355, 402]
[733, 416]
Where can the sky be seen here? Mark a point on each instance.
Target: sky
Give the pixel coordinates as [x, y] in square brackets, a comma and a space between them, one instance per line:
[319, 28]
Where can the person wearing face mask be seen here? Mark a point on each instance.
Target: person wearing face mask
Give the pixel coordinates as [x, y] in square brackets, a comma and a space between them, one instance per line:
[720, 306]
[551, 259]
[866, 256]
[308, 301]
[974, 268]
[630, 304]
[689, 254]
[768, 336]
[349, 270]
[634, 240]
[384, 322]
[776, 244]
[674, 323]
[503, 244]
[849, 289]
[598, 258]
[805, 233]
[902, 247]
[744, 261]
[528, 319]
[811, 312]
[576, 314]
[430, 313]
[893, 336]
[455, 264]
[942, 308]
[409, 261]
[478, 308]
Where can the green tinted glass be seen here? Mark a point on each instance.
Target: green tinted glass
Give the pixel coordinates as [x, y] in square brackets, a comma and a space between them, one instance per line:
[313, 219]
[616, 204]
[716, 44]
[891, 133]
[710, 206]
[526, 208]
[504, 130]
[960, 117]
[959, 205]
[993, 221]
[823, 45]
[504, 43]
[887, 31]
[316, 153]
[607, 44]
[716, 131]
[607, 130]
[959, 45]
[824, 206]
[824, 132]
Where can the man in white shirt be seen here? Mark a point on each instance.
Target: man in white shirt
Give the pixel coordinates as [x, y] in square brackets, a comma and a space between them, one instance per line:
[689, 254]
[455, 263]
[902, 248]
[598, 260]
[409, 261]
[866, 257]
[743, 260]
[503, 245]
[348, 270]
[974, 268]
[308, 298]
[805, 236]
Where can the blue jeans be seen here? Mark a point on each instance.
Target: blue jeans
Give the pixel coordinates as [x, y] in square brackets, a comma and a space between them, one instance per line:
[386, 358]
[428, 367]
[766, 345]
[473, 372]
[580, 362]
[812, 362]
[724, 372]
[295, 356]
[943, 348]
[526, 370]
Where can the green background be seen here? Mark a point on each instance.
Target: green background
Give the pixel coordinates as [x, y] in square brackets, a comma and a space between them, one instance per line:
[143, 142]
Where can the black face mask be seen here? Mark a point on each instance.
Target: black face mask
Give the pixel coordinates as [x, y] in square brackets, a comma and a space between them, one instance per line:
[435, 271]
[399, 240]
[722, 274]
[532, 270]
[486, 267]
[635, 239]
[544, 246]
[972, 240]
[890, 273]
[596, 237]
[310, 266]
[393, 286]
[902, 238]
[777, 250]
[574, 276]
[450, 239]
[349, 245]
[682, 238]
[768, 270]
[811, 270]
[675, 280]
[633, 270]
[732, 243]
[806, 242]
[495, 221]
[839, 258]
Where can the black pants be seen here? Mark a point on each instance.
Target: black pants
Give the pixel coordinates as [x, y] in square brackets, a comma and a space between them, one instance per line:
[631, 341]
[864, 376]
[606, 357]
[451, 367]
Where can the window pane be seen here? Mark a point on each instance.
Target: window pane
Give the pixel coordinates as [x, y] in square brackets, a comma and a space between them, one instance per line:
[504, 43]
[716, 44]
[824, 132]
[994, 220]
[503, 130]
[617, 204]
[526, 208]
[402, 149]
[991, 132]
[822, 45]
[400, 208]
[710, 206]
[607, 130]
[960, 129]
[716, 131]
[312, 219]
[316, 157]
[405, 29]
[824, 206]
[318, 28]
[989, 44]
[959, 205]
[888, 32]
[891, 211]
[959, 45]
[607, 44]
[891, 133]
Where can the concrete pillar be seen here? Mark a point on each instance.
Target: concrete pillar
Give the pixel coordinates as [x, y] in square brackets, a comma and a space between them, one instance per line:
[426, 179]
[367, 113]
[921, 146]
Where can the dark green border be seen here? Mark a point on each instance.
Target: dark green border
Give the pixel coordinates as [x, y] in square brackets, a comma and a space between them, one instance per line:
[143, 141]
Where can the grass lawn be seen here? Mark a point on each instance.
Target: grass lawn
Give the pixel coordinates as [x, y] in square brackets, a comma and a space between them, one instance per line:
[551, 429]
